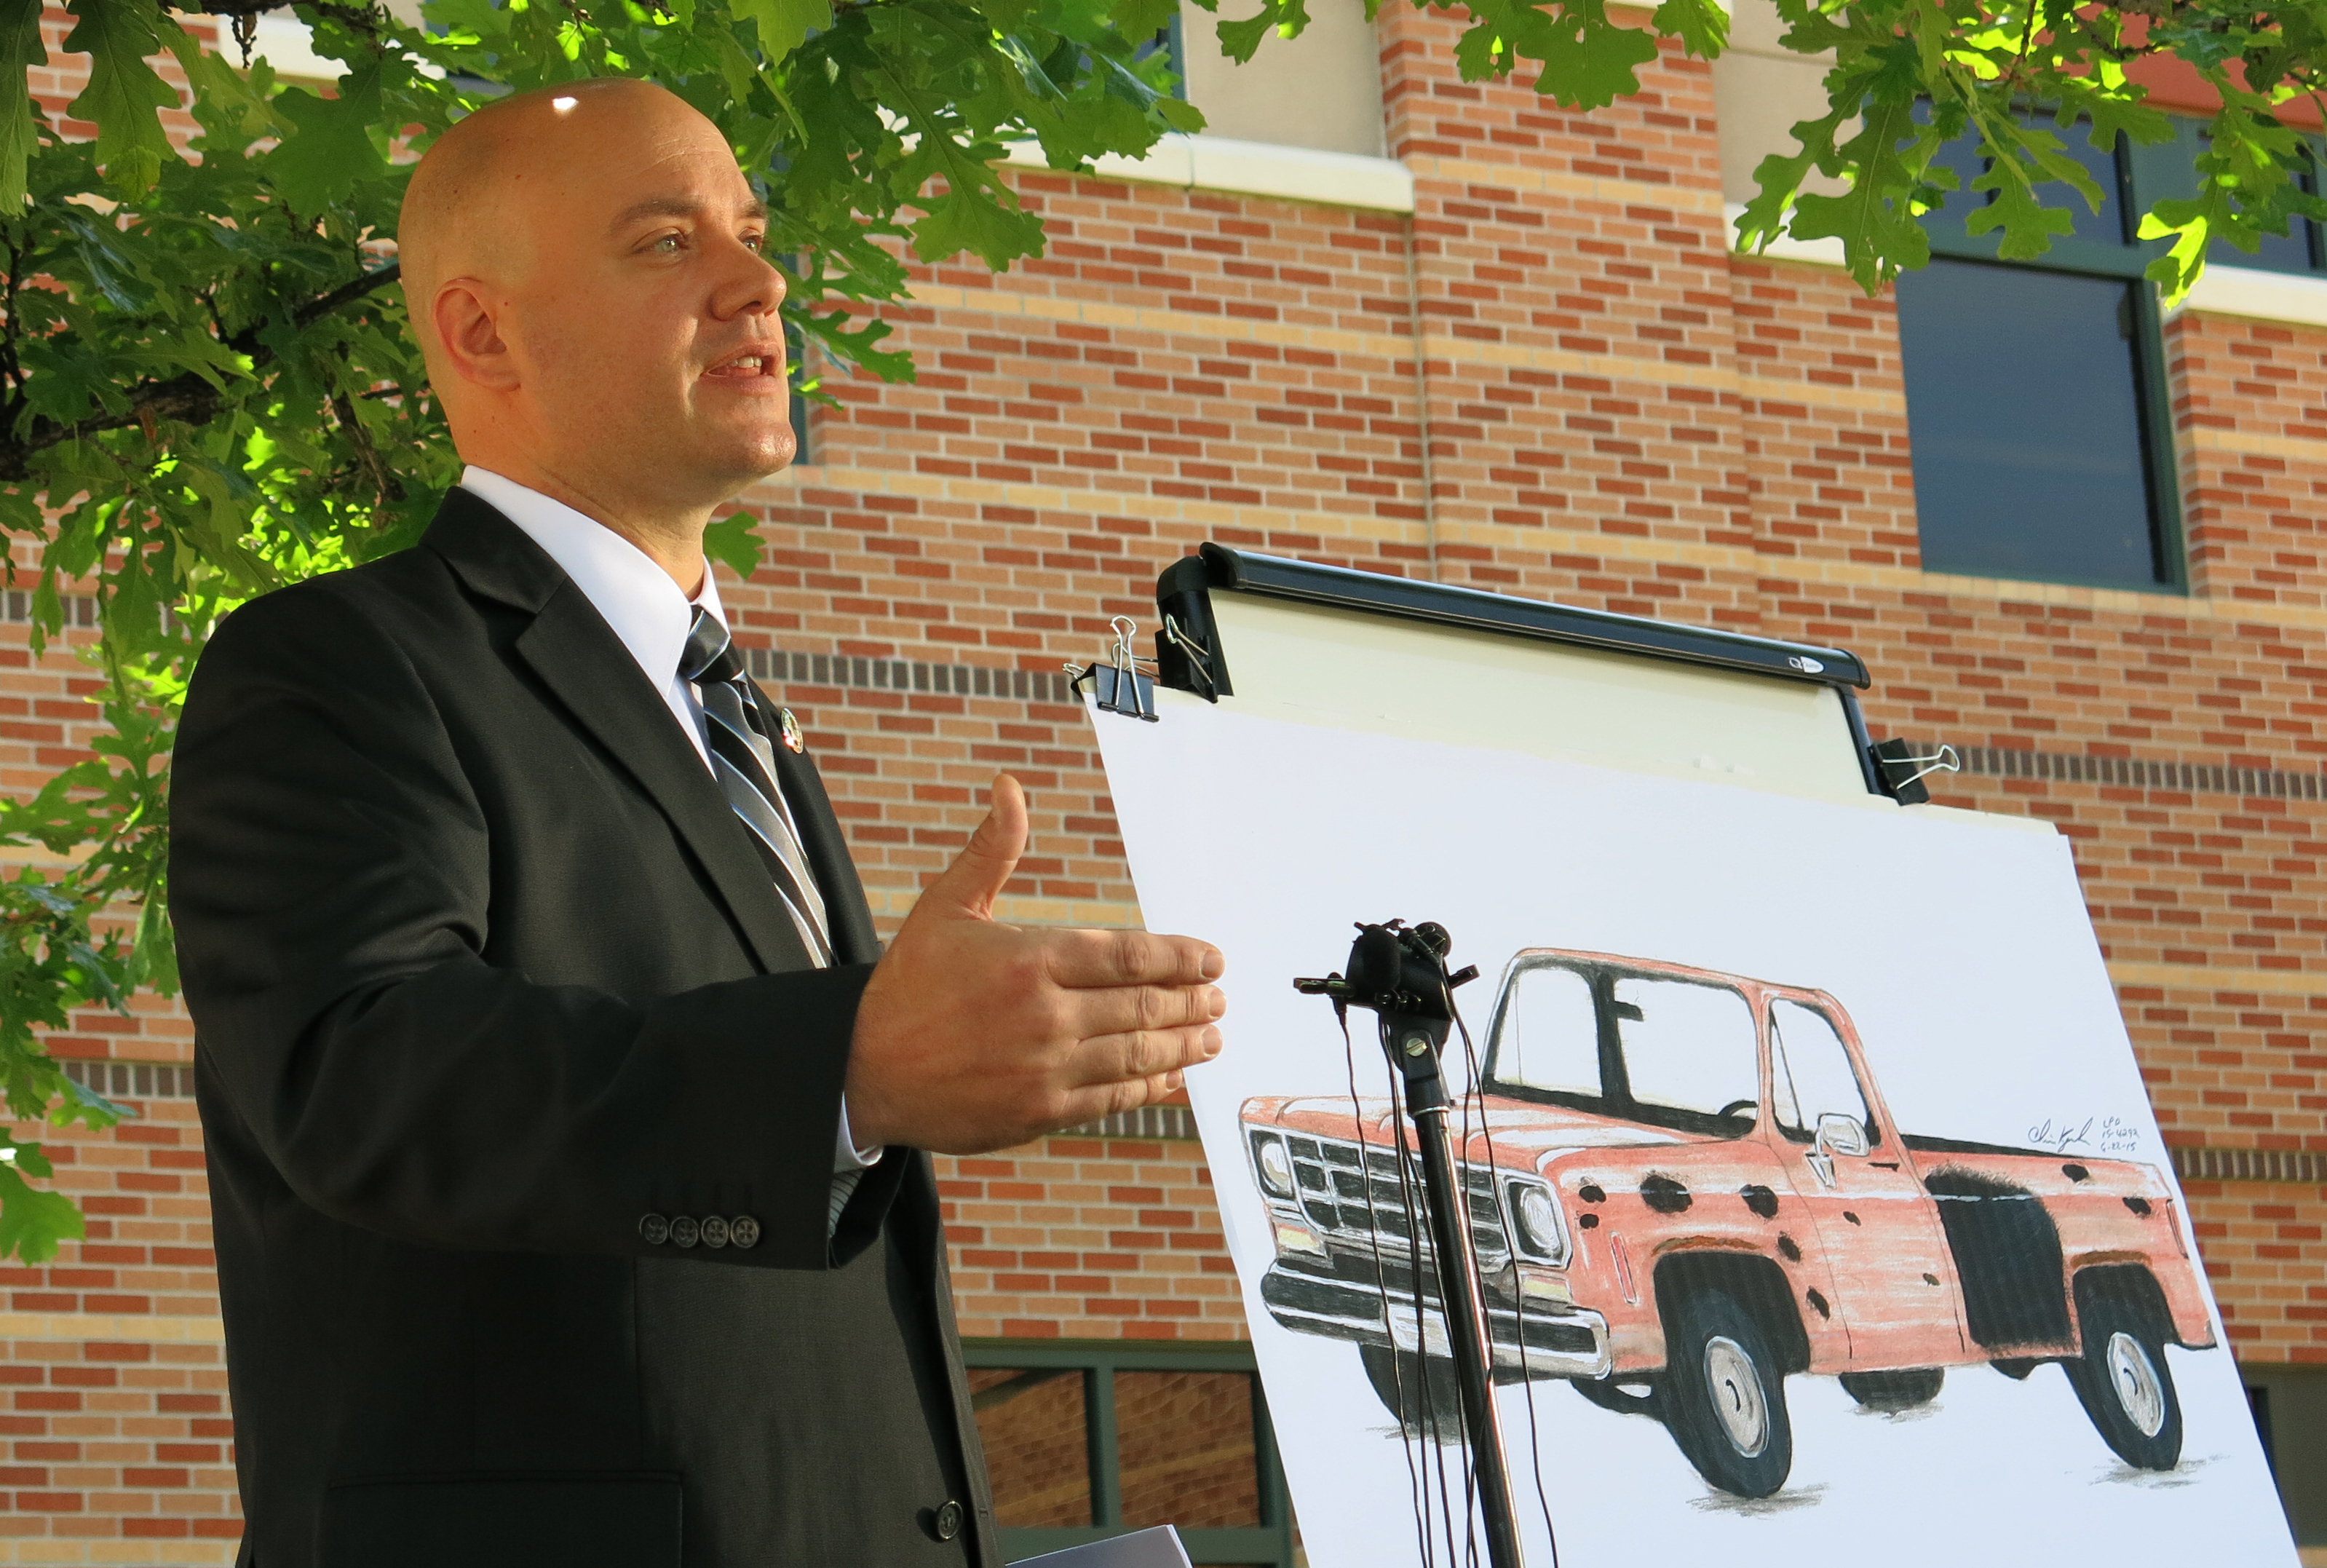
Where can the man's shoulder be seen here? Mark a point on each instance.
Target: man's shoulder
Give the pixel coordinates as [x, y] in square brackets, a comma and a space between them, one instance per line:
[414, 577]
[396, 609]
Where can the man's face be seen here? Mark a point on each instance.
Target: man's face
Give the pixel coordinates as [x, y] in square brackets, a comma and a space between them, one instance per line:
[644, 325]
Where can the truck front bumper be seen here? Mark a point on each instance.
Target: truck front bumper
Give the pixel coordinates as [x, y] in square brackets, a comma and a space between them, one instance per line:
[1561, 1340]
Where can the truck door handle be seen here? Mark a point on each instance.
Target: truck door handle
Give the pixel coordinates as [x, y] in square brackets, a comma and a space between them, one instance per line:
[1884, 1164]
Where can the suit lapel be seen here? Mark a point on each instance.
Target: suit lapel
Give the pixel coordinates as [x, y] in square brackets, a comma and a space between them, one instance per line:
[575, 654]
[854, 940]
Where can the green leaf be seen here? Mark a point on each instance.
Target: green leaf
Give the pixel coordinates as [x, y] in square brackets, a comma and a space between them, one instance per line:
[20, 123]
[33, 1223]
[1701, 25]
[731, 543]
[784, 25]
[1588, 61]
[330, 145]
[124, 94]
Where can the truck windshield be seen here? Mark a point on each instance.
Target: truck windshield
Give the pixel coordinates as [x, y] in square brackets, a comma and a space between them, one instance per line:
[1669, 1051]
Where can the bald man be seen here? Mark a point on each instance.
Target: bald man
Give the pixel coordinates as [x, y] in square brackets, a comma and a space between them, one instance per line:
[566, 1120]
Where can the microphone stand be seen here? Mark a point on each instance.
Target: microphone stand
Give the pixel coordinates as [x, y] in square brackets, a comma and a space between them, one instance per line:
[1400, 973]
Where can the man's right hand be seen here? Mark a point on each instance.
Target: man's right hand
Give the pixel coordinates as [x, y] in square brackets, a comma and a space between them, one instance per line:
[974, 1035]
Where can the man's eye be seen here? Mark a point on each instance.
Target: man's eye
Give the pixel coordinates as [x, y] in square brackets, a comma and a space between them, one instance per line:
[755, 243]
[667, 245]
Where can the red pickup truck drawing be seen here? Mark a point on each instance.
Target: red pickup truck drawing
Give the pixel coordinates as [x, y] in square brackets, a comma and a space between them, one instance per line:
[1685, 1187]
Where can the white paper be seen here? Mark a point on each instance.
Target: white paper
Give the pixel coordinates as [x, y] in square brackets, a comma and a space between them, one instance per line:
[1156, 1548]
[1959, 948]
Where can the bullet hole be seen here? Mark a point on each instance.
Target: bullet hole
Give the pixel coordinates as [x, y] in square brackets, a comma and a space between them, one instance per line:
[1819, 1301]
[1761, 1200]
[1931, 1279]
[1591, 1194]
[1854, 1219]
[1587, 1221]
[1665, 1195]
[2139, 1206]
[1789, 1250]
[2076, 1172]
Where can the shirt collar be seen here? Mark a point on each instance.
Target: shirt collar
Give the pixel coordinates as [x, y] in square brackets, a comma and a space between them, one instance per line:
[636, 597]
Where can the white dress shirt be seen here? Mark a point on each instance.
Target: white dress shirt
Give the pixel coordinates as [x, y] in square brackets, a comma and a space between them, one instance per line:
[651, 617]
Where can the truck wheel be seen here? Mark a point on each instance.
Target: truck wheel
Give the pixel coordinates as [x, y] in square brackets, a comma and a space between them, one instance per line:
[2124, 1385]
[1894, 1390]
[1725, 1397]
[1425, 1406]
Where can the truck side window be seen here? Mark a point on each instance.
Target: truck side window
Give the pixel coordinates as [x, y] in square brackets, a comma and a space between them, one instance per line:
[1809, 1073]
[1688, 1052]
[1549, 1037]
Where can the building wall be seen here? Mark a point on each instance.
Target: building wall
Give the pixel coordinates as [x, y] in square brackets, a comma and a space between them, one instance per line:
[1550, 378]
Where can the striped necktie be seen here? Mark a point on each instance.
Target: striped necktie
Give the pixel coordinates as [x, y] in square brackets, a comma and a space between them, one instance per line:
[745, 763]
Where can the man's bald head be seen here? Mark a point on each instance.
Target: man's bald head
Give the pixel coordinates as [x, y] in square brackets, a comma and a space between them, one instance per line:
[470, 208]
[583, 269]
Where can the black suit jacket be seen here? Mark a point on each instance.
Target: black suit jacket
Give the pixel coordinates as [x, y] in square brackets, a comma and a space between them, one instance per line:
[485, 972]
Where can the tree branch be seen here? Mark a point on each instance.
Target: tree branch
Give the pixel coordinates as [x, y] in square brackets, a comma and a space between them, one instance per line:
[185, 397]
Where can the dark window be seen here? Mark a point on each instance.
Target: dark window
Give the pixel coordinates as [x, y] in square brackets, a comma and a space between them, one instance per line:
[2036, 413]
[2025, 415]
[1086, 1442]
[2290, 1407]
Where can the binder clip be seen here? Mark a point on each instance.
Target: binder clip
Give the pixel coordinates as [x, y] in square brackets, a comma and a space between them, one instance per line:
[1903, 770]
[1118, 685]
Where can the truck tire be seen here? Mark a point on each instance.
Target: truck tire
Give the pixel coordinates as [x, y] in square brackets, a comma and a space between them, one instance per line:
[1723, 1394]
[2123, 1381]
[1894, 1390]
[1425, 1402]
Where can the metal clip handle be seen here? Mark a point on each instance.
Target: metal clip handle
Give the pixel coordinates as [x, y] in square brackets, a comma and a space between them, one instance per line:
[1118, 685]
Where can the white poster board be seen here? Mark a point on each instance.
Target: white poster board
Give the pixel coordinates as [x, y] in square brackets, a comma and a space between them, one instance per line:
[1677, 941]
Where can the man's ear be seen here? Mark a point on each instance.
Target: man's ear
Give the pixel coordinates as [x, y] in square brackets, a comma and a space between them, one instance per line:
[470, 336]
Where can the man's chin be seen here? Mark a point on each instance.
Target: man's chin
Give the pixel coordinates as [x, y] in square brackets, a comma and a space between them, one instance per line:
[739, 467]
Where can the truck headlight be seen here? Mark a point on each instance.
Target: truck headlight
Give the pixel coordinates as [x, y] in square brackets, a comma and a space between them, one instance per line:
[1272, 1163]
[1539, 1230]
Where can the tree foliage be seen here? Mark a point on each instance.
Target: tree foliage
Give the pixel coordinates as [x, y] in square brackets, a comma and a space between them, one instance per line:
[207, 388]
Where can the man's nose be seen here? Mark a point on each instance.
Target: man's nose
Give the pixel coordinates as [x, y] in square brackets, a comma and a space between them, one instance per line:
[749, 285]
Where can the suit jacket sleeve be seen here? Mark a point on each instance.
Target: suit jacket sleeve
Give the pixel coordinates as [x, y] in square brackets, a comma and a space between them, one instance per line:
[330, 875]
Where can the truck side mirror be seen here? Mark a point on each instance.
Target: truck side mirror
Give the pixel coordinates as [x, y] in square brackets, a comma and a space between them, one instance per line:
[1841, 1134]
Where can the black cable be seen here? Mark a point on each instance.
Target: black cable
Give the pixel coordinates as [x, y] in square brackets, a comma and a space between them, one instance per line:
[1416, 1499]
[1502, 1214]
[1413, 1233]
[1468, 1260]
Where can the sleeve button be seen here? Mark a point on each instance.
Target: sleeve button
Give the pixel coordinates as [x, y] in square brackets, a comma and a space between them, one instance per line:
[715, 1232]
[654, 1230]
[743, 1231]
[948, 1523]
[684, 1232]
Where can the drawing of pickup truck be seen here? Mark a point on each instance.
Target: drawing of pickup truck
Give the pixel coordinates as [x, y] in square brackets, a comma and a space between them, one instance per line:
[1684, 1187]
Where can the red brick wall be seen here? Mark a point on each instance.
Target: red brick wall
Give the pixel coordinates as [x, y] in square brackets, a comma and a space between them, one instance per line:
[1604, 407]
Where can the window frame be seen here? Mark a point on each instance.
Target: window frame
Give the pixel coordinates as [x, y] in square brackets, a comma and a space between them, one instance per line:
[2138, 180]
[1268, 1544]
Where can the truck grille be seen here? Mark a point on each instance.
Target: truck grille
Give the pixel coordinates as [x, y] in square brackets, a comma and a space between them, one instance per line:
[1333, 1186]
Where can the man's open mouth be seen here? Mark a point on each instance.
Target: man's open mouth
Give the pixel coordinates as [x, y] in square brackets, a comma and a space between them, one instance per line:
[744, 366]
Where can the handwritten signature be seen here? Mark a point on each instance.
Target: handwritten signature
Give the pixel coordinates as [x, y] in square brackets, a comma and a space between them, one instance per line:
[2095, 1134]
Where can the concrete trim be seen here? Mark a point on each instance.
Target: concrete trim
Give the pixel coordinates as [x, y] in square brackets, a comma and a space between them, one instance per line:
[2258, 295]
[1254, 169]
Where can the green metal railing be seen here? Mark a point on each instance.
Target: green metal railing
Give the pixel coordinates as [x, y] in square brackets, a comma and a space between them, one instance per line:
[1266, 1545]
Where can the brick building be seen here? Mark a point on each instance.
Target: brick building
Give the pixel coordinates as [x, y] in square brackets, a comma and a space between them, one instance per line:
[1383, 319]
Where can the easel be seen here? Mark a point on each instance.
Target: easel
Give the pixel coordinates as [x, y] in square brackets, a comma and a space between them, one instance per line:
[1399, 972]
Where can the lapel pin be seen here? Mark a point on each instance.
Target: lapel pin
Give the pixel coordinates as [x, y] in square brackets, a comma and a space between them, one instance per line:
[792, 733]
